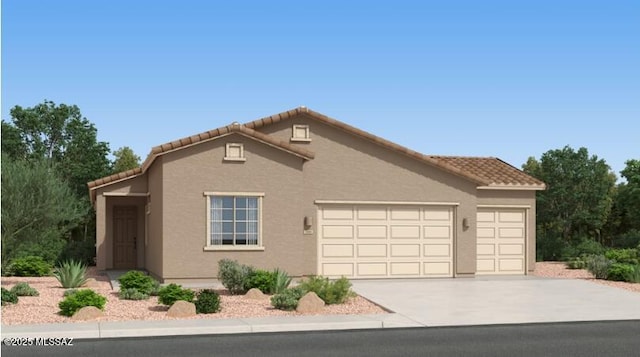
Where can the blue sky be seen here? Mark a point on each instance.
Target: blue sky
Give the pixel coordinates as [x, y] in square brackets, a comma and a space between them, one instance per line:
[510, 79]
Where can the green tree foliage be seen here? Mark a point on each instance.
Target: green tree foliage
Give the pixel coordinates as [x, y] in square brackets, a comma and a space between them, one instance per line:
[38, 209]
[578, 199]
[125, 160]
[629, 193]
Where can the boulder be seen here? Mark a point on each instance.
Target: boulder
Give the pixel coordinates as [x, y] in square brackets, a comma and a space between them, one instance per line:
[87, 313]
[182, 308]
[91, 283]
[255, 294]
[310, 303]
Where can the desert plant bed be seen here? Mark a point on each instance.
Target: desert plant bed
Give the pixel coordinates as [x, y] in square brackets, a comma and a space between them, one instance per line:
[560, 270]
[44, 308]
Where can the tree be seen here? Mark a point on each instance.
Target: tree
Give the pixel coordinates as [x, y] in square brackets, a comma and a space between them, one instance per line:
[58, 133]
[578, 199]
[623, 228]
[38, 209]
[125, 160]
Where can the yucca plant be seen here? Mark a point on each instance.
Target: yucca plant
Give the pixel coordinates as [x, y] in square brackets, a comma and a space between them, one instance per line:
[71, 274]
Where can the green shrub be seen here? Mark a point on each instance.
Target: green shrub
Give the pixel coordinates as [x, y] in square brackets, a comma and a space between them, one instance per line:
[156, 288]
[71, 274]
[576, 264]
[29, 266]
[9, 297]
[135, 279]
[625, 256]
[132, 294]
[263, 280]
[69, 292]
[174, 292]
[620, 272]
[234, 275]
[83, 251]
[79, 299]
[23, 289]
[331, 292]
[630, 239]
[635, 276]
[207, 302]
[288, 299]
[283, 280]
[598, 265]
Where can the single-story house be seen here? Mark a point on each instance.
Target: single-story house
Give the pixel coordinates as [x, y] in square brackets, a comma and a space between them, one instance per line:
[312, 195]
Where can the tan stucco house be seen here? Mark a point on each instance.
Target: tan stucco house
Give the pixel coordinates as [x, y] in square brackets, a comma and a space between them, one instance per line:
[312, 195]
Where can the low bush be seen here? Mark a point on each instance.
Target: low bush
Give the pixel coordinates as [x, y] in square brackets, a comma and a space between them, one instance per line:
[576, 264]
[71, 274]
[24, 289]
[620, 272]
[174, 292]
[263, 280]
[79, 299]
[630, 239]
[598, 265]
[283, 280]
[69, 292]
[207, 302]
[29, 266]
[583, 248]
[135, 279]
[9, 297]
[331, 292]
[625, 256]
[132, 294]
[156, 288]
[234, 275]
[635, 276]
[288, 299]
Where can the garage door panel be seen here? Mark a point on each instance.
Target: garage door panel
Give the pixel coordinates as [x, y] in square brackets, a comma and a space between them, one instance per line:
[437, 232]
[333, 232]
[437, 269]
[405, 232]
[437, 250]
[409, 268]
[379, 214]
[393, 241]
[501, 238]
[337, 269]
[372, 269]
[511, 233]
[405, 214]
[372, 250]
[337, 250]
[405, 250]
[511, 249]
[372, 232]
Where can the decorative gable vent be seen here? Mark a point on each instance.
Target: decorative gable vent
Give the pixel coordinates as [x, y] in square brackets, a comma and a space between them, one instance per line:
[234, 152]
[300, 133]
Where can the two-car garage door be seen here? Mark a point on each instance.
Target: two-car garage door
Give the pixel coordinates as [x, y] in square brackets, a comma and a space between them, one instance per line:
[385, 241]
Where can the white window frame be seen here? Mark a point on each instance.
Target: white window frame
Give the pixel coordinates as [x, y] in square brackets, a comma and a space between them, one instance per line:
[228, 149]
[211, 247]
[296, 128]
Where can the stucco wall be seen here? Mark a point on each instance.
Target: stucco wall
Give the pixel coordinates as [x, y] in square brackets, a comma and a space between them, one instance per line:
[349, 168]
[190, 172]
[154, 238]
[516, 198]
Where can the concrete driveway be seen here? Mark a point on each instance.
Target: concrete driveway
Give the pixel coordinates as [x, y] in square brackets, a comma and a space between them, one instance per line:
[500, 300]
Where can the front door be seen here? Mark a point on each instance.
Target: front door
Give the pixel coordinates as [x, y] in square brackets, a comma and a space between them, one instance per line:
[125, 230]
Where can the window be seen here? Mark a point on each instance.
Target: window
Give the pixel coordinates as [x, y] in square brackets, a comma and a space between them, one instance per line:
[300, 133]
[234, 152]
[234, 221]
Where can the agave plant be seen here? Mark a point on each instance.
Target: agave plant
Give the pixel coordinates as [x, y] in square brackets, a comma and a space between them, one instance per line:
[282, 281]
[71, 274]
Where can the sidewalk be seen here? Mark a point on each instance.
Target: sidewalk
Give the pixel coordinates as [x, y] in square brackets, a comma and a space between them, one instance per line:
[208, 326]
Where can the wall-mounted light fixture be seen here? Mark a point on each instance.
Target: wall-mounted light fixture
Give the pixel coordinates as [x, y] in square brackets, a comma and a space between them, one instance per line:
[465, 224]
[308, 222]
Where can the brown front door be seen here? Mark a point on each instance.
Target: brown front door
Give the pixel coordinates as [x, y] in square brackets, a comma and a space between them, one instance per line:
[125, 231]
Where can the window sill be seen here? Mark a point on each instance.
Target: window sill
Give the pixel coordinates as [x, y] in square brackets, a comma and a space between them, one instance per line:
[235, 159]
[235, 248]
[303, 140]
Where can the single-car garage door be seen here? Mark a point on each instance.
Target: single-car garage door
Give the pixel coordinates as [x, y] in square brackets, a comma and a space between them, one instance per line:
[374, 241]
[501, 241]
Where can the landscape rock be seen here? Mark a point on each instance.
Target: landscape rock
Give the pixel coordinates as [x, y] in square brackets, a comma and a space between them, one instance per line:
[91, 283]
[87, 313]
[255, 294]
[182, 309]
[310, 303]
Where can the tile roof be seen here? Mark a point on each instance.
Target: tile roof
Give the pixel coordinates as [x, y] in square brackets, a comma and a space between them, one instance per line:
[487, 171]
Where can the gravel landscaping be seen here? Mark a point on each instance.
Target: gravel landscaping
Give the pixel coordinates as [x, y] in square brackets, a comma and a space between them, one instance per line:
[559, 270]
[44, 308]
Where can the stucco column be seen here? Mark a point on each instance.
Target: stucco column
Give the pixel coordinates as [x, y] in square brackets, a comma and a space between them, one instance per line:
[101, 232]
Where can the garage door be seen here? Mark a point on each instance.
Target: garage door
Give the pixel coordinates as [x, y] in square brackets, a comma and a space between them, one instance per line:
[501, 242]
[371, 241]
